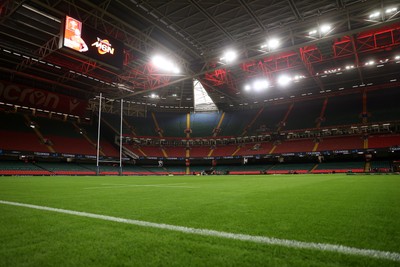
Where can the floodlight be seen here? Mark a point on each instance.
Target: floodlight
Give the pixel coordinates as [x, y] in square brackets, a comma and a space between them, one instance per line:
[158, 61]
[325, 28]
[284, 80]
[153, 95]
[260, 85]
[371, 62]
[165, 64]
[391, 10]
[247, 87]
[298, 77]
[176, 70]
[312, 32]
[229, 56]
[397, 57]
[374, 15]
[273, 43]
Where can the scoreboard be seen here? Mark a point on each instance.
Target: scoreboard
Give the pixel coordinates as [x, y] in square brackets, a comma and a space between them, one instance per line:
[76, 36]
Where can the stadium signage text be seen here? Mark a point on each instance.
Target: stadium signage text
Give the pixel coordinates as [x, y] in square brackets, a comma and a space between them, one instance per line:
[103, 46]
[36, 98]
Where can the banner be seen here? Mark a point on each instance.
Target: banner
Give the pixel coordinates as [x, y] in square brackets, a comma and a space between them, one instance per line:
[40, 99]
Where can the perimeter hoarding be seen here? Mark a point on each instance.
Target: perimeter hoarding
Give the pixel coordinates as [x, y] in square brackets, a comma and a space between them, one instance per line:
[91, 43]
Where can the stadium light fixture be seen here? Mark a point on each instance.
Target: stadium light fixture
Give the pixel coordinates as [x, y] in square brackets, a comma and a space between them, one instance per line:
[321, 31]
[375, 15]
[298, 77]
[369, 63]
[229, 56]
[312, 32]
[260, 85]
[164, 64]
[273, 43]
[284, 80]
[391, 10]
[325, 28]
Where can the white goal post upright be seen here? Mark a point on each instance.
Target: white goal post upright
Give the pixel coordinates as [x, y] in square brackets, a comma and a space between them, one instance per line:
[120, 138]
[98, 138]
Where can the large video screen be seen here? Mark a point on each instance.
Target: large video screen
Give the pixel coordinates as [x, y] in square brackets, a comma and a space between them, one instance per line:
[91, 43]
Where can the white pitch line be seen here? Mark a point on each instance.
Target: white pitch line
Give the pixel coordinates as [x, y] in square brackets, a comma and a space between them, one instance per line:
[393, 256]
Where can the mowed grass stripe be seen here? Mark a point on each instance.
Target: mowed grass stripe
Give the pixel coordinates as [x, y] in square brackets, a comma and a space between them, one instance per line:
[207, 232]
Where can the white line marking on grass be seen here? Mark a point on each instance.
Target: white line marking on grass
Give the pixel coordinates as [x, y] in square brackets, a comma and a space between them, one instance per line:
[394, 256]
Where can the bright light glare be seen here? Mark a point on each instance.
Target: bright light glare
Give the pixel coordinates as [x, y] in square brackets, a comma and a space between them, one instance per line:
[325, 28]
[397, 57]
[153, 95]
[284, 80]
[391, 10]
[371, 62]
[298, 77]
[273, 43]
[259, 85]
[247, 87]
[164, 64]
[229, 56]
[374, 15]
[312, 32]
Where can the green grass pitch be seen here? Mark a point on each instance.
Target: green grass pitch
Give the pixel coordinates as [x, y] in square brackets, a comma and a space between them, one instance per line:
[361, 211]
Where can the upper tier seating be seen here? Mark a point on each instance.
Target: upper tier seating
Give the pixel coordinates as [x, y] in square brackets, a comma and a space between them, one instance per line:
[304, 115]
[203, 124]
[115, 122]
[383, 105]
[61, 136]
[14, 122]
[15, 134]
[22, 141]
[143, 126]
[235, 122]
[343, 110]
[172, 124]
[269, 119]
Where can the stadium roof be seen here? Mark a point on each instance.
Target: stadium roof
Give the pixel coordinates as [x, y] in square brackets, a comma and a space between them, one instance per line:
[322, 47]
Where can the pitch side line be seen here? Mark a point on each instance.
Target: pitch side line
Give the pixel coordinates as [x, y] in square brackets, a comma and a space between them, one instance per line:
[393, 256]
